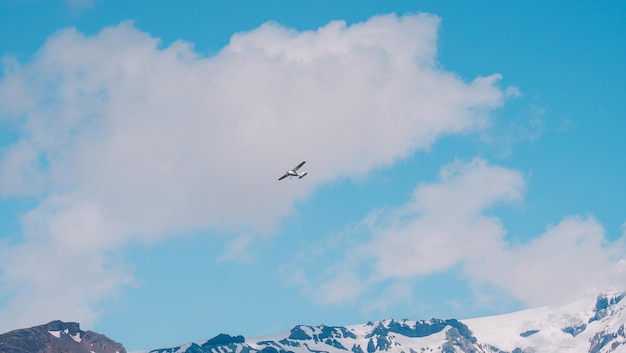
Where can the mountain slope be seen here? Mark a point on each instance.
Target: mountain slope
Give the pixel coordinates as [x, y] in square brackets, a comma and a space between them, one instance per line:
[580, 327]
[56, 337]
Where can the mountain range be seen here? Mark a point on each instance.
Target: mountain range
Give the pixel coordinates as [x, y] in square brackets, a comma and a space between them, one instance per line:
[589, 326]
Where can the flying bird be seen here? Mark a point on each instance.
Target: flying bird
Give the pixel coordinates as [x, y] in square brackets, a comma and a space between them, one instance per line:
[294, 172]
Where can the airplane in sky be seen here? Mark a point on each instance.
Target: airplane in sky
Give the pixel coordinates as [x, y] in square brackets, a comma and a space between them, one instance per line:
[294, 172]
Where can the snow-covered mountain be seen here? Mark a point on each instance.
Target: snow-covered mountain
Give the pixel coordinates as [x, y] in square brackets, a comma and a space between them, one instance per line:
[584, 326]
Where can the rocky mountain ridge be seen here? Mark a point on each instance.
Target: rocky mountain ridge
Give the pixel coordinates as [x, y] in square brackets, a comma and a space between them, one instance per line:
[581, 327]
[57, 337]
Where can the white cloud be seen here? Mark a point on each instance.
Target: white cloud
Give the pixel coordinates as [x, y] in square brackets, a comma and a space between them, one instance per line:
[445, 226]
[125, 140]
[572, 258]
[43, 281]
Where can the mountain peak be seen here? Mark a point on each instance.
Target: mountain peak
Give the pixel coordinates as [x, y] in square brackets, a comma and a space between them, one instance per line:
[57, 336]
[71, 328]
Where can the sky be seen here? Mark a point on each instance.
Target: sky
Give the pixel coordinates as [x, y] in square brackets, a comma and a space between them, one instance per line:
[464, 160]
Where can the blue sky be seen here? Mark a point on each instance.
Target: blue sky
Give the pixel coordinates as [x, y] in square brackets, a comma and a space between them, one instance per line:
[464, 160]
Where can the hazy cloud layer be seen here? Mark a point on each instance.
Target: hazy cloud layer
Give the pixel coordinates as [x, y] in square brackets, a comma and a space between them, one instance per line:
[446, 225]
[123, 139]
